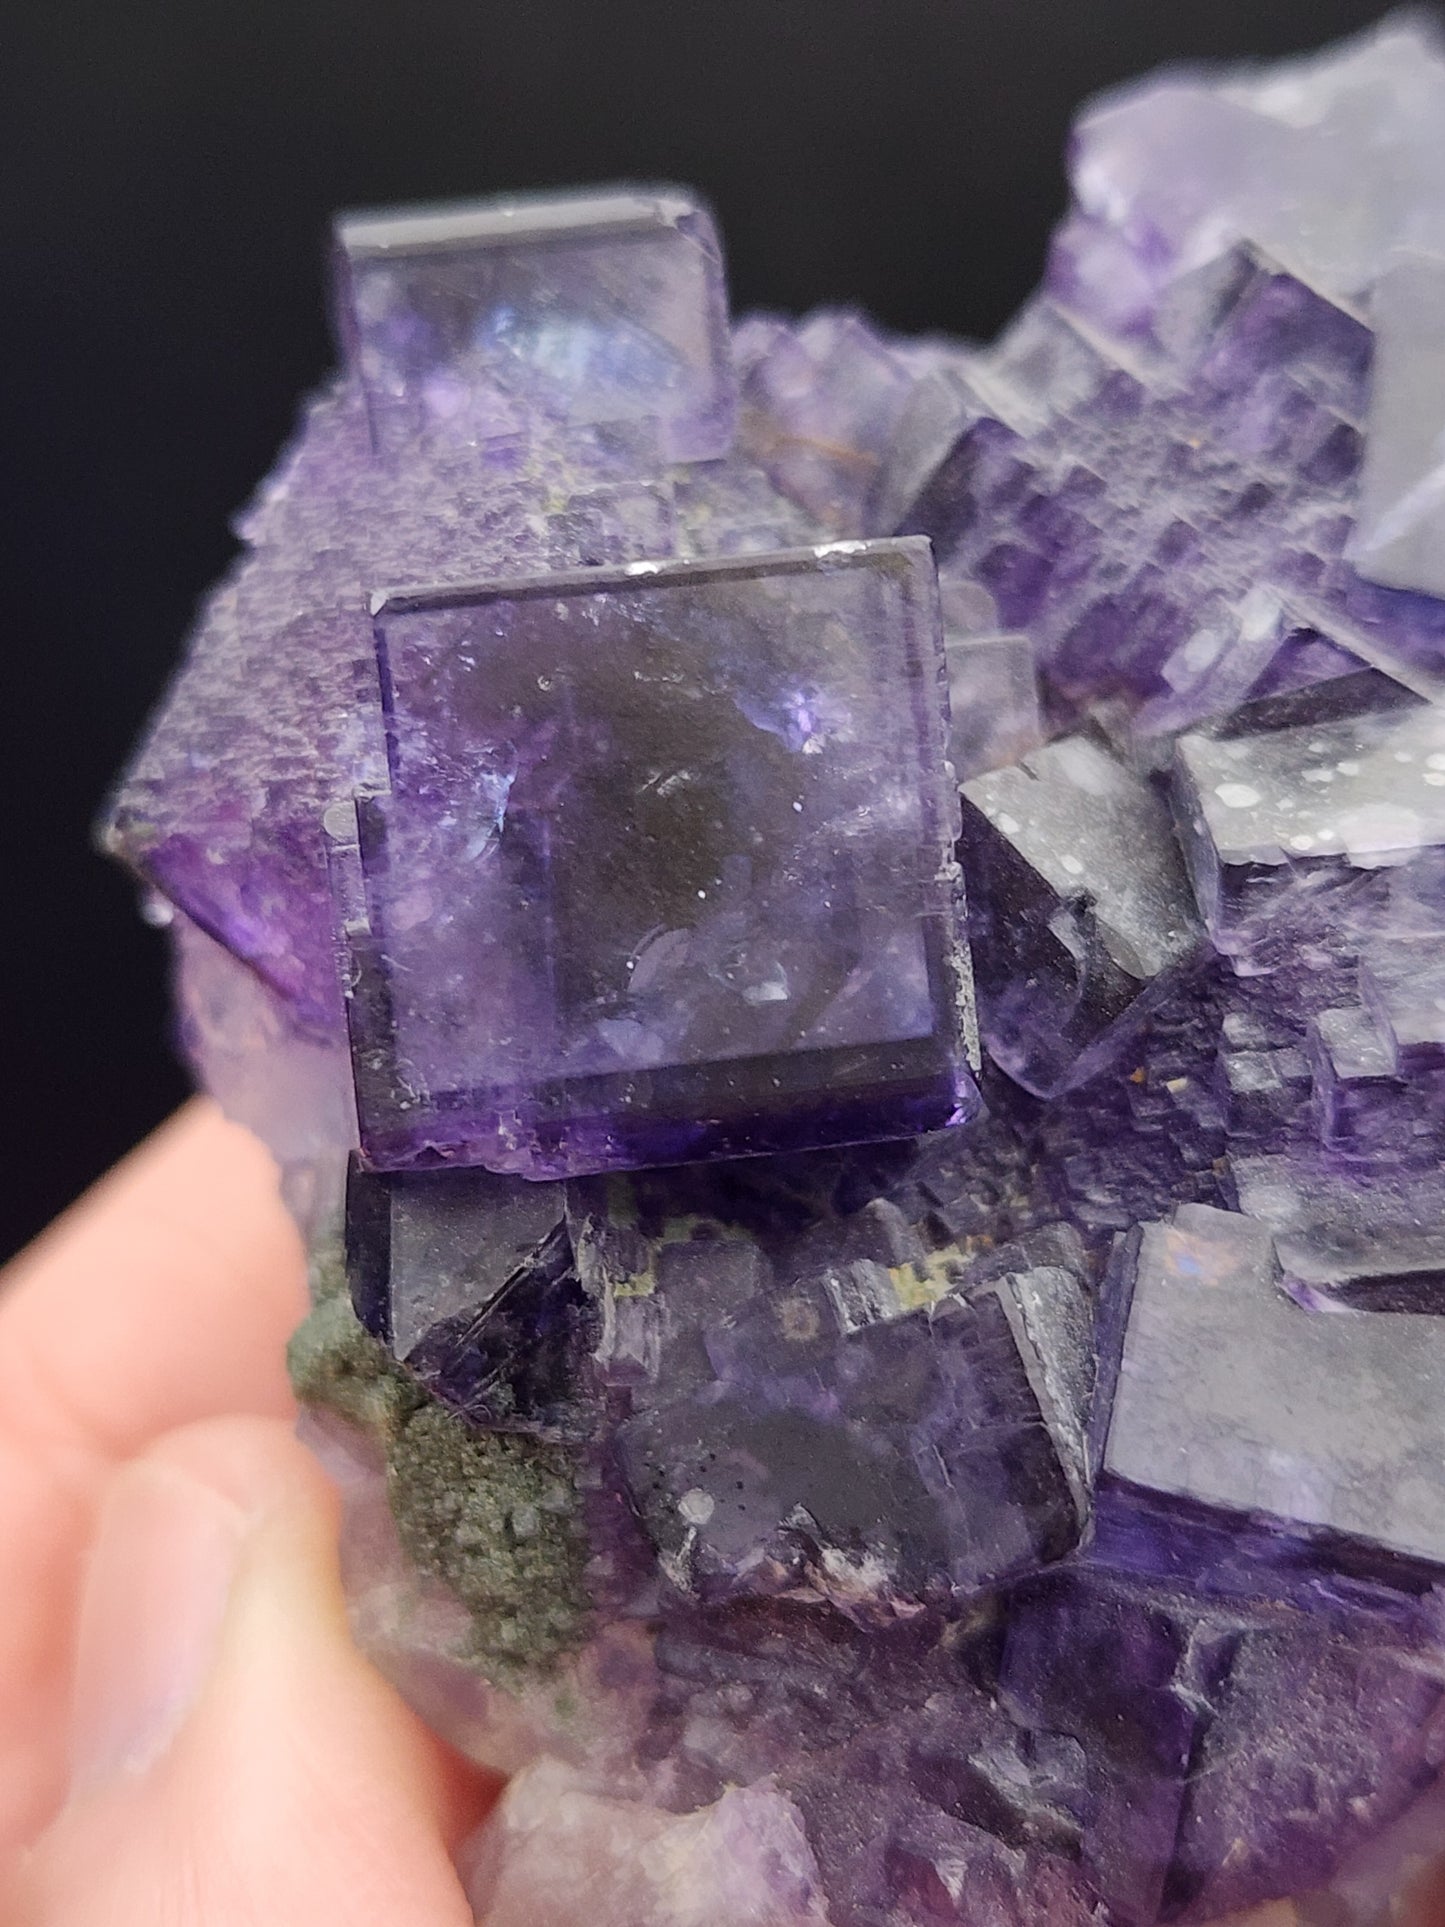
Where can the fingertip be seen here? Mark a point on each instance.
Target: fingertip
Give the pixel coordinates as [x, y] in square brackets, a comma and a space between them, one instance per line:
[198, 1162]
[1422, 1902]
[165, 1295]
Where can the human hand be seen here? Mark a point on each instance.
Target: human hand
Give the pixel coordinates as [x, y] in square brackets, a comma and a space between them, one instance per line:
[187, 1734]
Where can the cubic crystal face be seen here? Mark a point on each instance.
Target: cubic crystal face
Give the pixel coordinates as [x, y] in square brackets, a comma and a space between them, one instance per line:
[994, 699]
[1348, 1234]
[468, 320]
[665, 870]
[1209, 1340]
[1402, 486]
[823, 1402]
[467, 1277]
[1280, 821]
[1081, 908]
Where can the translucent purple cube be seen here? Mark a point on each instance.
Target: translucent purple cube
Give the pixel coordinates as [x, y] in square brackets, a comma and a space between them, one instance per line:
[665, 870]
[476, 319]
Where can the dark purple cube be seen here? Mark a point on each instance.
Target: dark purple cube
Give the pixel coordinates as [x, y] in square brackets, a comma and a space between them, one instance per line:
[665, 870]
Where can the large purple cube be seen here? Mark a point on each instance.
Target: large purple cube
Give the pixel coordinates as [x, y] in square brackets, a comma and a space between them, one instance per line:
[665, 870]
[474, 318]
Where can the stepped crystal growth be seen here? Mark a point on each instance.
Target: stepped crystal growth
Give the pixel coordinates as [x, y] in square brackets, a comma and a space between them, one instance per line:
[850, 1477]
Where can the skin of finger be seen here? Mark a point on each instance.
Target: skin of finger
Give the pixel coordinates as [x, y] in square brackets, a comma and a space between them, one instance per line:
[165, 1295]
[46, 1518]
[300, 1788]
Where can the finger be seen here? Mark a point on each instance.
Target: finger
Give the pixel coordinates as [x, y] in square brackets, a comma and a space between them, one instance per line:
[164, 1295]
[235, 1759]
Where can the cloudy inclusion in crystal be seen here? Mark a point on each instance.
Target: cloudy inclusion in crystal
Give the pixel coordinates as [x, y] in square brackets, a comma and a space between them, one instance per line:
[609, 307]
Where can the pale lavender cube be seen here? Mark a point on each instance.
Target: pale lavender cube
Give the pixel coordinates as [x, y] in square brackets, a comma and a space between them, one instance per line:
[474, 320]
[1224, 1400]
[665, 870]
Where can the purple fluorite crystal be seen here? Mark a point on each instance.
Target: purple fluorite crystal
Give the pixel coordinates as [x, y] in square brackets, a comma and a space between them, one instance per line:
[665, 869]
[1013, 1499]
[820, 1406]
[469, 320]
[1084, 911]
[1227, 1396]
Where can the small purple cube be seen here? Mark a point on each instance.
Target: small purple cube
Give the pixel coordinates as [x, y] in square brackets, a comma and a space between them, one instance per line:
[476, 318]
[665, 870]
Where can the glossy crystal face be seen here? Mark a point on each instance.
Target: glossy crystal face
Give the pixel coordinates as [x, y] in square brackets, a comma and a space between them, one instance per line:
[468, 320]
[664, 869]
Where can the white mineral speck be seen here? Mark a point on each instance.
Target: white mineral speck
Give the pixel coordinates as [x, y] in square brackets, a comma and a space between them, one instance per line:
[1237, 796]
[696, 1506]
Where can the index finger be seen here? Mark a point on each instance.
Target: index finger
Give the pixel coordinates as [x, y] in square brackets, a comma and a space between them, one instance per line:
[164, 1296]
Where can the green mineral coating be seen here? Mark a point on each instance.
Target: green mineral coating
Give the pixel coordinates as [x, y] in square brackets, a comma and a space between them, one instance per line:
[335, 1362]
[326, 1270]
[496, 1517]
[493, 1515]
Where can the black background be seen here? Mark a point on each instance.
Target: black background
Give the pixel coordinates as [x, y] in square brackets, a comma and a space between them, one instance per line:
[166, 170]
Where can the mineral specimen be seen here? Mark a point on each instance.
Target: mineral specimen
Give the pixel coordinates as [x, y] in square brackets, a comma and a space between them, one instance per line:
[1281, 821]
[808, 1418]
[842, 1480]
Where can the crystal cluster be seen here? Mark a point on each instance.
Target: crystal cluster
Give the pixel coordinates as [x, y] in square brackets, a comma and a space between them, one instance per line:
[845, 1475]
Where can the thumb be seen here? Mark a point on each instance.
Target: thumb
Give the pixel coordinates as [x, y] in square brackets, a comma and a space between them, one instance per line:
[234, 1757]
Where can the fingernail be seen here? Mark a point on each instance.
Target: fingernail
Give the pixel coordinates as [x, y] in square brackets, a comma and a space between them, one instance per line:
[155, 1597]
